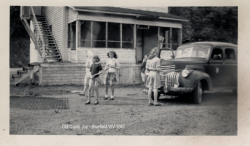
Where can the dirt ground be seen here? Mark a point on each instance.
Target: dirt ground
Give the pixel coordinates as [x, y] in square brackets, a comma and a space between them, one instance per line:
[54, 110]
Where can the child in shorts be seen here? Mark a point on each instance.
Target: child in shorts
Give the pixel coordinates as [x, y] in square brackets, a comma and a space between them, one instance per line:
[153, 80]
[95, 71]
[143, 75]
[112, 65]
[87, 74]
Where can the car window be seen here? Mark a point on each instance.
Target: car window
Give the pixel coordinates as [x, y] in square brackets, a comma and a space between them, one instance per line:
[197, 51]
[230, 53]
[217, 54]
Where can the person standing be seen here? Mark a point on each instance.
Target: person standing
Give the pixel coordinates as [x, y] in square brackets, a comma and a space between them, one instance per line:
[153, 80]
[111, 67]
[95, 70]
[143, 75]
[87, 78]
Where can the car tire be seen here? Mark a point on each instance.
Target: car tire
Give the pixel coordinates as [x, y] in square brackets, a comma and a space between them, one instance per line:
[152, 96]
[197, 94]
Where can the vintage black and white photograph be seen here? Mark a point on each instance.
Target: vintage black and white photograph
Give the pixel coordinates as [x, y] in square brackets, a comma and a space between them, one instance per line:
[109, 70]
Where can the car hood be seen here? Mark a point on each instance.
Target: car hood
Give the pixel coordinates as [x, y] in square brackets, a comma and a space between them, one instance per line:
[183, 61]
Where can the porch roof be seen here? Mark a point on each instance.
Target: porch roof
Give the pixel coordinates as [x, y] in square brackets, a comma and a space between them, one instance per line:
[139, 14]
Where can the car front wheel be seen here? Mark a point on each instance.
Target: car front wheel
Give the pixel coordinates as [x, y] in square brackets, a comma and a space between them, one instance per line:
[197, 94]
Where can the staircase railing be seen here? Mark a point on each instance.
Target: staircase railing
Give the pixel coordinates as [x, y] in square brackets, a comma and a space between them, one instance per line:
[39, 34]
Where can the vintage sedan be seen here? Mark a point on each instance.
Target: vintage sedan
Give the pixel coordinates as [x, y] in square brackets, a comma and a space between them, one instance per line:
[199, 67]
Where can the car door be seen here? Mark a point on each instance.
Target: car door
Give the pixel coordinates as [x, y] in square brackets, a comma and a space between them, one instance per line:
[229, 67]
[214, 67]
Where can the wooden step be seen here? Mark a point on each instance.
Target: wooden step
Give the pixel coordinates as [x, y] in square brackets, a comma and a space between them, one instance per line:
[16, 76]
[27, 68]
[51, 56]
[19, 72]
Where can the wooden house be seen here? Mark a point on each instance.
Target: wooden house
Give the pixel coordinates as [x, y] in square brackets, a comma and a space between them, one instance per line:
[64, 34]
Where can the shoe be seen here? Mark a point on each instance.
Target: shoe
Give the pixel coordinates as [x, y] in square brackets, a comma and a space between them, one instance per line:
[81, 94]
[105, 98]
[150, 104]
[111, 98]
[157, 104]
[97, 102]
[91, 95]
[88, 102]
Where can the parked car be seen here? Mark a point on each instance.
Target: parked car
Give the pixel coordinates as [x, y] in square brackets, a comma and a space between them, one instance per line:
[199, 67]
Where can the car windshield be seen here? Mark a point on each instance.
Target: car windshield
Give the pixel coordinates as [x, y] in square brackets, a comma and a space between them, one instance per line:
[198, 51]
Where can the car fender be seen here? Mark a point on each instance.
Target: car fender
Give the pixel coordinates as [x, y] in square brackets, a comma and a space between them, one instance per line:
[194, 78]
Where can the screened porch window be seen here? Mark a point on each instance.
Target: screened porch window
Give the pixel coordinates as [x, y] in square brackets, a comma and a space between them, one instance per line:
[106, 35]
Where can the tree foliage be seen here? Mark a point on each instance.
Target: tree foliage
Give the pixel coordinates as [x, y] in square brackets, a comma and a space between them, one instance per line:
[209, 23]
[19, 39]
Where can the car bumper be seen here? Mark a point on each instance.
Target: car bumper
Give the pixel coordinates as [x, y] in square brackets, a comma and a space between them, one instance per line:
[179, 90]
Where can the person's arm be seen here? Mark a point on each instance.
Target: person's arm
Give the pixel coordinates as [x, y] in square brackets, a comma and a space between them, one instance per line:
[87, 64]
[158, 65]
[117, 65]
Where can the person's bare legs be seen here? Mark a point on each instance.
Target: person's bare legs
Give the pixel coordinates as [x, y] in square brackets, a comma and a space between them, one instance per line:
[112, 90]
[89, 90]
[96, 91]
[156, 97]
[149, 96]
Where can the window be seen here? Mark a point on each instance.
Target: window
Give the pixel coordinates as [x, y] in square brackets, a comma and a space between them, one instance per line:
[94, 34]
[230, 53]
[113, 35]
[216, 54]
[127, 36]
[85, 34]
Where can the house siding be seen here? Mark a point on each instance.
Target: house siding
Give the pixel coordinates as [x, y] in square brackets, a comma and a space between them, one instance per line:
[125, 56]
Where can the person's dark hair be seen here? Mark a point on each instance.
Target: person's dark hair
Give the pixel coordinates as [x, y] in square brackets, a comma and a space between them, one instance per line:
[96, 57]
[115, 55]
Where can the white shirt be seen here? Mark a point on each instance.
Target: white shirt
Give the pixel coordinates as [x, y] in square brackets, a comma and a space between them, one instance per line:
[112, 62]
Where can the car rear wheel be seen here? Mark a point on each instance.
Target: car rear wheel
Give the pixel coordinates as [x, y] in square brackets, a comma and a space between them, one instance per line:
[197, 94]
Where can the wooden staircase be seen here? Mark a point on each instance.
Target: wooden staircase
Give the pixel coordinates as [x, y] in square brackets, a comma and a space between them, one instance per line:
[45, 44]
[46, 39]
[23, 74]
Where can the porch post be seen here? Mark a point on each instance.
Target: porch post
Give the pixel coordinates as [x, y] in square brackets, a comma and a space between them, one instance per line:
[170, 38]
[77, 34]
[106, 37]
[180, 36]
[78, 25]
[120, 35]
[91, 34]
[134, 36]
[71, 36]
[158, 34]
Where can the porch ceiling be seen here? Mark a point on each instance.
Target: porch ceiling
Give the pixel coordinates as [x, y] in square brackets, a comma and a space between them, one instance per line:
[139, 14]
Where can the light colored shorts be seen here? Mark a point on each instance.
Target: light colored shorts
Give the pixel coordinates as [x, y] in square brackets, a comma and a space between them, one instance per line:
[110, 78]
[153, 80]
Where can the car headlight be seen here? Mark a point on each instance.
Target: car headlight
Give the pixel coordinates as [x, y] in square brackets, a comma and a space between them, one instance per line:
[185, 73]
